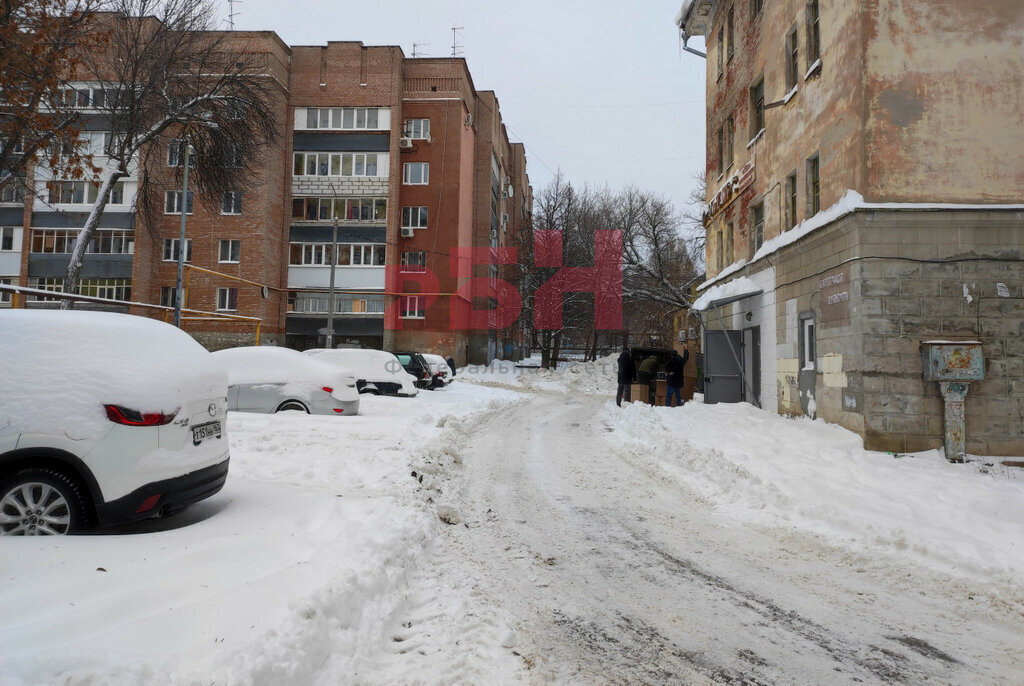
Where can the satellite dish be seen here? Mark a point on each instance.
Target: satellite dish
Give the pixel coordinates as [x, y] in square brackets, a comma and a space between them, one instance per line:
[509, 192]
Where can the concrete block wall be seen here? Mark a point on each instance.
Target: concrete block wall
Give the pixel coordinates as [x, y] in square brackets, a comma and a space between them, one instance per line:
[913, 276]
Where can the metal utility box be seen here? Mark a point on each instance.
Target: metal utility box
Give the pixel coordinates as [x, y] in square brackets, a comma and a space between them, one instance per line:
[953, 361]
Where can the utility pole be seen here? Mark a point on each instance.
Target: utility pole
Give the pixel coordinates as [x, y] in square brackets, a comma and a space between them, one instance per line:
[417, 52]
[179, 293]
[334, 265]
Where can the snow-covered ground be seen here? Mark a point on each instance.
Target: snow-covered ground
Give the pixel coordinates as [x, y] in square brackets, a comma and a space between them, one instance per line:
[298, 572]
[324, 559]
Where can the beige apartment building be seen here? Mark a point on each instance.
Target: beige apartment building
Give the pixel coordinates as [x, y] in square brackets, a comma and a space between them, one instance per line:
[865, 194]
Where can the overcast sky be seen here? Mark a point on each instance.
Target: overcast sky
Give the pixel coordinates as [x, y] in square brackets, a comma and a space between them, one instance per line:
[596, 88]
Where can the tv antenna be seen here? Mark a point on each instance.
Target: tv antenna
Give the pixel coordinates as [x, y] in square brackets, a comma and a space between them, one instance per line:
[456, 45]
[232, 13]
[416, 52]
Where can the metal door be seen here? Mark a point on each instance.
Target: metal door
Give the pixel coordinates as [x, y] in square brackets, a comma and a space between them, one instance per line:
[723, 380]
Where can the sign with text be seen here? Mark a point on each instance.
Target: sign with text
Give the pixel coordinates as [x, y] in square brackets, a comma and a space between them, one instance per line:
[834, 298]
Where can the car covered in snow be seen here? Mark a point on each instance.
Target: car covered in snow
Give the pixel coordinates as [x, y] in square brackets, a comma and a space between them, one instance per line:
[439, 370]
[269, 379]
[104, 419]
[376, 371]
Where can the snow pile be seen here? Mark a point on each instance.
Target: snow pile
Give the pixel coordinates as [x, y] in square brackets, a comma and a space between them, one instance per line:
[598, 376]
[59, 368]
[306, 568]
[759, 467]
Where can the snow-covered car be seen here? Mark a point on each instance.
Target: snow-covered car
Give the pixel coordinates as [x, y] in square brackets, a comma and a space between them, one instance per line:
[439, 369]
[270, 379]
[104, 419]
[376, 371]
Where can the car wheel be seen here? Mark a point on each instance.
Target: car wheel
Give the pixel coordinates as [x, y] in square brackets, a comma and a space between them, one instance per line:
[292, 405]
[41, 502]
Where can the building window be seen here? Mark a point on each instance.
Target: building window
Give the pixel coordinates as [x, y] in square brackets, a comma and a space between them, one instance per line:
[719, 254]
[63, 241]
[13, 191]
[172, 202]
[303, 254]
[730, 135]
[6, 238]
[108, 289]
[416, 173]
[720, 146]
[417, 129]
[230, 250]
[5, 296]
[721, 52]
[171, 250]
[339, 164]
[813, 35]
[807, 343]
[730, 229]
[730, 37]
[411, 306]
[368, 255]
[168, 296]
[346, 209]
[227, 299]
[414, 261]
[755, 7]
[341, 118]
[757, 219]
[790, 201]
[757, 108]
[81, 193]
[813, 186]
[235, 157]
[414, 217]
[176, 154]
[231, 203]
[792, 59]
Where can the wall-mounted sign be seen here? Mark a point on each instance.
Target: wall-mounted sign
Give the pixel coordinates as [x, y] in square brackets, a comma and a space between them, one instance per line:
[741, 178]
[834, 298]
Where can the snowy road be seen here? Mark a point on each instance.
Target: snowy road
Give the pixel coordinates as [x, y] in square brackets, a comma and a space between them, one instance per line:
[612, 573]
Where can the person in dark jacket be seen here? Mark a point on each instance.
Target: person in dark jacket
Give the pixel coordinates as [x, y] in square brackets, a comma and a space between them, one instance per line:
[627, 370]
[647, 374]
[451, 365]
[674, 372]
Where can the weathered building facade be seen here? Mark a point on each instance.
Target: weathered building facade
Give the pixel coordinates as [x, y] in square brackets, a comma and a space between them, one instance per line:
[866, 195]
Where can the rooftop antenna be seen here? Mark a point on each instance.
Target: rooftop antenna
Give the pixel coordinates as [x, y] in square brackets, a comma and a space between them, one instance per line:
[456, 45]
[232, 13]
[416, 52]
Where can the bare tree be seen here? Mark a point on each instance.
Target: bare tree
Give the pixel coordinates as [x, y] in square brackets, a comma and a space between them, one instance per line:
[168, 79]
[41, 42]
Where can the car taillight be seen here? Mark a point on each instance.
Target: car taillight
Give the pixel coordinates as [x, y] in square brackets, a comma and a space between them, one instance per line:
[327, 389]
[122, 415]
[338, 411]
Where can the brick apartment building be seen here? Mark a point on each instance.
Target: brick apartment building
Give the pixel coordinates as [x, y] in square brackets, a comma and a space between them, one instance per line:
[865, 190]
[403, 158]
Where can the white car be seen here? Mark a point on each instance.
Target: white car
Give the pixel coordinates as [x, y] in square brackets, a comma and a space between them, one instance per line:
[104, 419]
[439, 369]
[271, 379]
[376, 371]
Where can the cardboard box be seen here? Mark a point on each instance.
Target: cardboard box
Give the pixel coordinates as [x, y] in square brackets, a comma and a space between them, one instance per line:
[659, 400]
[689, 386]
[639, 393]
[662, 389]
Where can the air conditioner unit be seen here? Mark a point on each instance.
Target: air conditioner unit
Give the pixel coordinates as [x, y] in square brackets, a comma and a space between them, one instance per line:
[504, 220]
[408, 232]
[405, 143]
[469, 119]
[494, 234]
[682, 336]
[508, 180]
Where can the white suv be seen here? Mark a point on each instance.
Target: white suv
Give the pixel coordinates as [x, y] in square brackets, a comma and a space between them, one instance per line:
[104, 419]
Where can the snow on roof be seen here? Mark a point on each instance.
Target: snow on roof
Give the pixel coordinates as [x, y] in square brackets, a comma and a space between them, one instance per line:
[59, 368]
[683, 11]
[725, 290]
[850, 202]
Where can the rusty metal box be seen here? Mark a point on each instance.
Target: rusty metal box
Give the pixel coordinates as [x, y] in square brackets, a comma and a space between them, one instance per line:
[953, 361]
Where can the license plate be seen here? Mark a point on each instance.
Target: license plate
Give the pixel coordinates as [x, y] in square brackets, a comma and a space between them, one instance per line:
[204, 431]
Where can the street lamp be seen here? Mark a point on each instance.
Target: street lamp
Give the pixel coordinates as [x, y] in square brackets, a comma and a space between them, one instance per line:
[179, 294]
